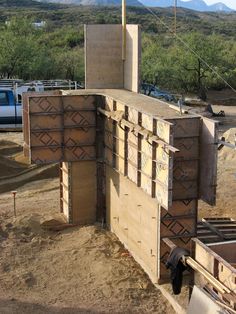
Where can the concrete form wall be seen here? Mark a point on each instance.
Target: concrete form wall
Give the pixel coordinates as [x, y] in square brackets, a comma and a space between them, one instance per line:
[217, 266]
[133, 216]
[149, 192]
[134, 212]
[104, 67]
[103, 56]
[79, 191]
[133, 58]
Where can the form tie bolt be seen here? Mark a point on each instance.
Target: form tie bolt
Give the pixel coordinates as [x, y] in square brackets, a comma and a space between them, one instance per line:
[14, 201]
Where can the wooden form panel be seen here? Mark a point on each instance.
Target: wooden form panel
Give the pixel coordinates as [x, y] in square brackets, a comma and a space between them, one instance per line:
[132, 58]
[186, 134]
[79, 191]
[131, 153]
[61, 128]
[208, 161]
[25, 115]
[84, 191]
[103, 56]
[218, 267]
[104, 67]
[179, 225]
[132, 215]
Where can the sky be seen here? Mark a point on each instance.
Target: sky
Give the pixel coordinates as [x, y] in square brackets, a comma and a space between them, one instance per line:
[230, 3]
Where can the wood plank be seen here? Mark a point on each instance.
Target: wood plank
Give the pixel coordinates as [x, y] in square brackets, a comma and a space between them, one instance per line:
[208, 161]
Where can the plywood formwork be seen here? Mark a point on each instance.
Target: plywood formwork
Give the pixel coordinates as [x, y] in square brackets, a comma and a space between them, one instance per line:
[215, 258]
[208, 163]
[60, 128]
[103, 55]
[78, 187]
[133, 216]
[150, 184]
[132, 58]
[104, 67]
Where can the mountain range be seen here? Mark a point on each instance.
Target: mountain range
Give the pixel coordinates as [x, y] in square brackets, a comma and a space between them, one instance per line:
[197, 5]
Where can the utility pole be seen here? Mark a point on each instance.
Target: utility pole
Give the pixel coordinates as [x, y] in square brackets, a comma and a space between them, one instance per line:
[175, 17]
[123, 29]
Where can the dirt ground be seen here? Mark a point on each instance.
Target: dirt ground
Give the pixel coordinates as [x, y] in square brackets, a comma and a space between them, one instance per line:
[226, 175]
[78, 270]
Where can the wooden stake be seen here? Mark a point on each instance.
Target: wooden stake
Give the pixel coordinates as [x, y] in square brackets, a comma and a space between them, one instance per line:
[14, 202]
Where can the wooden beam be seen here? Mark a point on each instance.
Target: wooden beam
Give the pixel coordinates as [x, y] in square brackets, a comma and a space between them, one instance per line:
[210, 278]
[197, 267]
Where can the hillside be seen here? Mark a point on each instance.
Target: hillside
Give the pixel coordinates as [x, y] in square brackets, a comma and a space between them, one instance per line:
[61, 15]
[14, 4]
[198, 5]
[57, 50]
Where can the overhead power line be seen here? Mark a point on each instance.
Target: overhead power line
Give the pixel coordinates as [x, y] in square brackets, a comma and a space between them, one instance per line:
[187, 46]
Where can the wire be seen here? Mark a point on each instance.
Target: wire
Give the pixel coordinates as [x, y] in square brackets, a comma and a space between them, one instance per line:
[188, 47]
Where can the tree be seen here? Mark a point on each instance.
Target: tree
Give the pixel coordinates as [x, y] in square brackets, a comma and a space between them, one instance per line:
[18, 49]
[201, 58]
[71, 64]
[194, 63]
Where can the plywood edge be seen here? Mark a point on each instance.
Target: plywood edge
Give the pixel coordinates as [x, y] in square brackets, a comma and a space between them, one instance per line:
[212, 253]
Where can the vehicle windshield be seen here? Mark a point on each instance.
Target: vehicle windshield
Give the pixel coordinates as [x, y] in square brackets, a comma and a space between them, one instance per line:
[3, 98]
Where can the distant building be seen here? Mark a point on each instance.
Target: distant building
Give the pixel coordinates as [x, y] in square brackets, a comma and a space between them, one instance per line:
[40, 24]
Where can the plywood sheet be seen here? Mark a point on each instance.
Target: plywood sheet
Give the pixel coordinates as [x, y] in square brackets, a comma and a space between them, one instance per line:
[215, 264]
[208, 161]
[187, 127]
[201, 302]
[84, 192]
[132, 58]
[132, 215]
[61, 128]
[149, 165]
[178, 224]
[103, 56]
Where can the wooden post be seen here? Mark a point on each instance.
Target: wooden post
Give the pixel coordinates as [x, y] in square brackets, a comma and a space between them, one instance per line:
[14, 202]
[123, 29]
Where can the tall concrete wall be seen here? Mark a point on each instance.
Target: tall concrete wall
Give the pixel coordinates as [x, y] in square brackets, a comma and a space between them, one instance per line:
[103, 56]
[104, 67]
[134, 217]
[132, 58]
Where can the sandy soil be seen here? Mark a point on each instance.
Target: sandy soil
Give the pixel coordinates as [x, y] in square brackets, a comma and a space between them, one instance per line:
[77, 270]
[226, 183]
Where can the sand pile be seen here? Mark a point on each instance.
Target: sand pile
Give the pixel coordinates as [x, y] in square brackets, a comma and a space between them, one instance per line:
[15, 169]
[81, 269]
[8, 164]
[33, 224]
[226, 154]
[226, 182]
